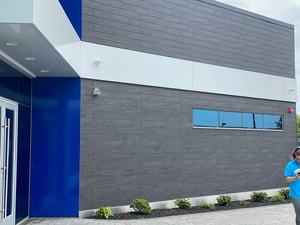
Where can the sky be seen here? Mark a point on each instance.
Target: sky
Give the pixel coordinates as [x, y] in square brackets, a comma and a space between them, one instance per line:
[284, 10]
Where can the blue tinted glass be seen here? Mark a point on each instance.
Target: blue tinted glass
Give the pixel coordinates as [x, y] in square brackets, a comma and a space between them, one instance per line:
[9, 163]
[273, 122]
[213, 118]
[247, 120]
[258, 121]
[230, 119]
[205, 118]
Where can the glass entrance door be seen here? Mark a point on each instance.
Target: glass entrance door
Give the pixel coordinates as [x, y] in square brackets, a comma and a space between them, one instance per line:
[8, 158]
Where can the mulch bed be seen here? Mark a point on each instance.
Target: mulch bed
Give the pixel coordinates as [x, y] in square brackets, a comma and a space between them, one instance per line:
[196, 209]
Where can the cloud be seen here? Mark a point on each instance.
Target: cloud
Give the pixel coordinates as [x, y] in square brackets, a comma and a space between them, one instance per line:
[287, 12]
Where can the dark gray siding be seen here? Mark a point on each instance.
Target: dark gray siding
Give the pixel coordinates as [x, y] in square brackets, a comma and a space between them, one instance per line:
[138, 141]
[198, 30]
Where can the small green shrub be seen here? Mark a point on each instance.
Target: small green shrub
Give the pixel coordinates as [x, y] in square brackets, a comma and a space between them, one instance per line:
[285, 193]
[277, 197]
[141, 205]
[224, 200]
[183, 203]
[208, 205]
[259, 196]
[104, 211]
[244, 202]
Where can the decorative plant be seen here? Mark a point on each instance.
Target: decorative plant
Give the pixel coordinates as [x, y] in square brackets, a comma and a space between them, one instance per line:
[224, 200]
[208, 205]
[244, 202]
[141, 205]
[259, 196]
[104, 211]
[285, 193]
[277, 197]
[183, 203]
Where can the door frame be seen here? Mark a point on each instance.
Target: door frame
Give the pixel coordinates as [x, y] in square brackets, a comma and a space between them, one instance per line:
[11, 105]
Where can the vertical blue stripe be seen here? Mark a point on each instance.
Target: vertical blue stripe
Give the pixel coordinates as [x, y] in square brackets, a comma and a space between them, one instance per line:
[22, 195]
[54, 189]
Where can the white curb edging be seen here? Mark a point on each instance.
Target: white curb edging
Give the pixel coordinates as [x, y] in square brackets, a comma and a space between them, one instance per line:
[196, 201]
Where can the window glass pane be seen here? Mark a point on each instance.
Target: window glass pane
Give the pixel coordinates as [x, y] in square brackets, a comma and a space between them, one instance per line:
[230, 119]
[205, 118]
[247, 120]
[214, 118]
[258, 122]
[8, 180]
[273, 122]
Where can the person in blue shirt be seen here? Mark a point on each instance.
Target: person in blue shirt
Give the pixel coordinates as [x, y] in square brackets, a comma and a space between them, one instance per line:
[292, 176]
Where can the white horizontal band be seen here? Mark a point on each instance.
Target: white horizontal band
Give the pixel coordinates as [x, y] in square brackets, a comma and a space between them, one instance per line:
[99, 62]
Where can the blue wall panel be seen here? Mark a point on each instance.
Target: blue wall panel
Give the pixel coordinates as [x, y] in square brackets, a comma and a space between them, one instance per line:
[73, 10]
[54, 189]
[23, 162]
[16, 87]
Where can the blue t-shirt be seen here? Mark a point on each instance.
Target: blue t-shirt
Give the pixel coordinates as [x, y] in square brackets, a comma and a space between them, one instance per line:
[291, 169]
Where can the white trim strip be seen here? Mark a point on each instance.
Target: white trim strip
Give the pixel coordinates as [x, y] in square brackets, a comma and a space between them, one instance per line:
[106, 63]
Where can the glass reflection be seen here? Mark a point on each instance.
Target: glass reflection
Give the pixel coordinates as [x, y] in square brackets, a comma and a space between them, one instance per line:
[248, 120]
[230, 119]
[272, 122]
[258, 121]
[226, 119]
[205, 118]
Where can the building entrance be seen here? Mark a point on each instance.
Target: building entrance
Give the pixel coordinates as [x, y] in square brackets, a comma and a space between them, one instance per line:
[8, 160]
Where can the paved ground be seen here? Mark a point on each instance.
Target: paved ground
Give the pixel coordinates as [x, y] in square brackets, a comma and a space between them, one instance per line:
[267, 215]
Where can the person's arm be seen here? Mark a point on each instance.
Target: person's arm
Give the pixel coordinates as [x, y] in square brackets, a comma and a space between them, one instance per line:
[291, 179]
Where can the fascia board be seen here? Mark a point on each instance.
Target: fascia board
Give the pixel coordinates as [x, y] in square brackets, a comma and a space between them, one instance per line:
[16, 11]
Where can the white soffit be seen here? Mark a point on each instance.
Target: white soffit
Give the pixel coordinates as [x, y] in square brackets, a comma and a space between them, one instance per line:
[37, 27]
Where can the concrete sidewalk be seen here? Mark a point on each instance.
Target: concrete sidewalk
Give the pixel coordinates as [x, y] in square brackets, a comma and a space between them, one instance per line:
[268, 215]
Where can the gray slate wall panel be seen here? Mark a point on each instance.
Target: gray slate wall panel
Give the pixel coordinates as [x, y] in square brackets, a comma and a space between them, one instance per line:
[197, 30]
[138, 141]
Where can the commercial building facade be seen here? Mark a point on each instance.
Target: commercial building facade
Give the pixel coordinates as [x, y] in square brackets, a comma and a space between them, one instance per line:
[107, 101]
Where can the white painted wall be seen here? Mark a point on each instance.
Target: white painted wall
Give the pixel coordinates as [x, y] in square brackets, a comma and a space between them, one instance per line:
[133, 67]
[47, 15]
[230, 81]
[9, 13]
[50, 18]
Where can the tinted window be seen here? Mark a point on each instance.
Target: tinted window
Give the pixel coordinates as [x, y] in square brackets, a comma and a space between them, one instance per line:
[247, 120]
[230, 119]
[258, 121]
[226, 119]
[272, 122]
[205, 118]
